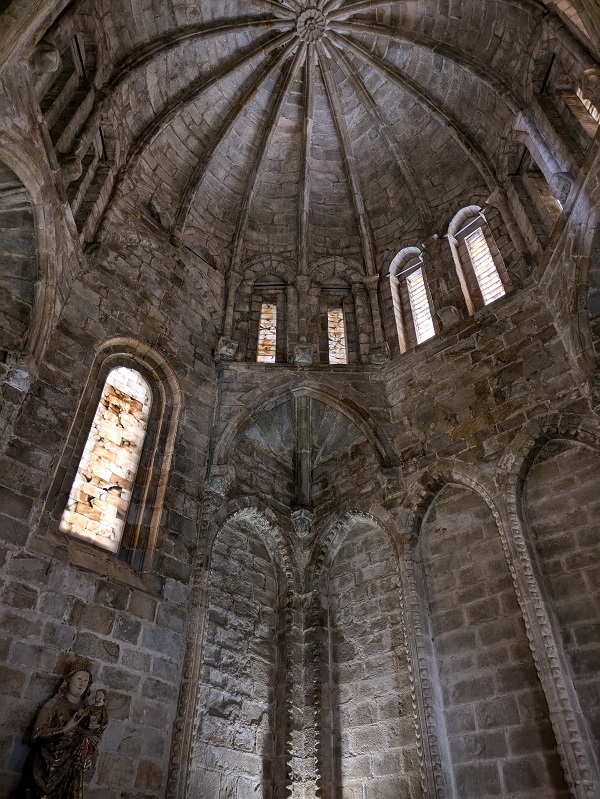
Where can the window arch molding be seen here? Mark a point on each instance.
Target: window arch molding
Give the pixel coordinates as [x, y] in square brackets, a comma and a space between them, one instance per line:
[46, 245]
[480, 286]
[413, 327]
[337, 285]
[140, 538]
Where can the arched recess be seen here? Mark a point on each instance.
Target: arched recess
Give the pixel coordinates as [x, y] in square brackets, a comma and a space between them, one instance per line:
[482, 704]
[29, 253]
[239, 743]
[592, 294]
[369, 742]
[380, 442]
[558, 506]
[140, 540]
[19, 264]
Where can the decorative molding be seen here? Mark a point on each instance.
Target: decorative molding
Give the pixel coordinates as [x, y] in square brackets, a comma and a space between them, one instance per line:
[579, 762]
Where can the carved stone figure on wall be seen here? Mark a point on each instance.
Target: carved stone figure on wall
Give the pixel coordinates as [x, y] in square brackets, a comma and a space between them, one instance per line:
[65, 736]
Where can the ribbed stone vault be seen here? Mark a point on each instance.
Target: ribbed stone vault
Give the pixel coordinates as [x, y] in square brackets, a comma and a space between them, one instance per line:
[305, 129]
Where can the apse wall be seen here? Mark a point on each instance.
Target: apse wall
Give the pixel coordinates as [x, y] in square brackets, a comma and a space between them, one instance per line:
[560, 506]
[499, 737]
[64, 601]
[369, 742]
[241, 733]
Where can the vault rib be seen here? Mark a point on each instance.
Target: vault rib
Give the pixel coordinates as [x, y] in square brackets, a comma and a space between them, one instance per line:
[265, 137]
[366, 236]
[304, 200]
[488, 76]
[288, 8]
[461, 136]
[172, 108]
[199, 171]
[337, 11]
[165, 44]
[403, 165]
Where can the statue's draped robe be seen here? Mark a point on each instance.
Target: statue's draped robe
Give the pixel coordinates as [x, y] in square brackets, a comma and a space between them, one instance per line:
[57, 772]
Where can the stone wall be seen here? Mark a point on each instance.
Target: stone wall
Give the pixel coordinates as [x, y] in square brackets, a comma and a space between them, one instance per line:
[369, 736]
[241, 733]
[500, 741]
[62, 599]
[561, 511]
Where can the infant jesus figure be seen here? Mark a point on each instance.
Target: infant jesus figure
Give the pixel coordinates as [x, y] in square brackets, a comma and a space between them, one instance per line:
[94, 720]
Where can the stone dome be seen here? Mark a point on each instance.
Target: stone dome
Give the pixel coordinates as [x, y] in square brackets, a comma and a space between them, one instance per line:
[303, 130]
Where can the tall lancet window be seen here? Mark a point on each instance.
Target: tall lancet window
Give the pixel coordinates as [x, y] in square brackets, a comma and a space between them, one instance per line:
[101, 492]
[419, 305]
[589, 106]
[490, 283]
[336, 335]
[267, 333]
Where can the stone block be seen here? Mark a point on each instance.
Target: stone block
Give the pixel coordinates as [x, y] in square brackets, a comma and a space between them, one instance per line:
[115, 770]
[20, 596]
[59, 635]
[119, 679]
[12, 680]
[112, 595]
[478, 779]
[92, 617]
[54, 604]
[524, 775]
[171, 617]
[126, 629]
[100, 649]
[162, 641]
[119, 705]
[499, 712]
[142, 606]
[149, 775]
[159, 690]
[470, 690]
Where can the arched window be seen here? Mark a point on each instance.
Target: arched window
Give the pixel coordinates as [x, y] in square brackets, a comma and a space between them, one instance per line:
[589, 106]
[268, 313]
[101, 492]
[336, 335]
[267, 333]
[481, 270]
[110, 481]
[413, 308]
[338, 340]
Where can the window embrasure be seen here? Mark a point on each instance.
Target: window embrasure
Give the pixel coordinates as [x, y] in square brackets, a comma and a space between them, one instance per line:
[589, 106]
[101, 492]
[336, 335]
[420, 306]
[267, 333]
[413, 310]
[488, 278]
[109, 485]
[479, 264]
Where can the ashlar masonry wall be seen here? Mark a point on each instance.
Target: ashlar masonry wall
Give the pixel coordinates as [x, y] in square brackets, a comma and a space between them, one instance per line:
[60, 599]
[499, 737]
[369, 734]
[561, 505]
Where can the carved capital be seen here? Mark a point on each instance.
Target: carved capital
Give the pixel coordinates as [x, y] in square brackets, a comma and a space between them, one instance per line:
[302, 519]
[45, 59]
[448, 315]
[304, 355]
[371, 282]
[379, 353]
[590, 85]
[497, 198]
[226, 350]
[71, 169]
[560, 185]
